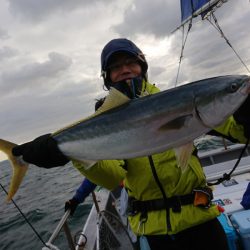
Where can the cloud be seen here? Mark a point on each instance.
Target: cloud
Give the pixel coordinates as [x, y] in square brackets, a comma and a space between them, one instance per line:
[159, 17]
[42, 91]
[40, 10]
[7, 52]
[3, 34]
[206, 53]
[36, 112]
[35, 74]
[157, 70]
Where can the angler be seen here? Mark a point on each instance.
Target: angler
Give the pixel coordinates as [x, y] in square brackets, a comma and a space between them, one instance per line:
[145, 138]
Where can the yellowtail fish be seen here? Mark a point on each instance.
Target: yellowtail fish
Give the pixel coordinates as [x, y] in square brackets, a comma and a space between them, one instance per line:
[124, 128]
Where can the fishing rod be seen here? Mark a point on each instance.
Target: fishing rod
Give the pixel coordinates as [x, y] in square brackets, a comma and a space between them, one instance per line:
[28, 222]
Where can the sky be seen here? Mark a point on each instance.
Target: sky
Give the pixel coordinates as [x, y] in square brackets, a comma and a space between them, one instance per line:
[50, 54]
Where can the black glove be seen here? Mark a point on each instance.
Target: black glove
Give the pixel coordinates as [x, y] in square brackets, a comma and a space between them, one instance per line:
[242, 116]
[72, 205]
[99, 103]
[42, 152]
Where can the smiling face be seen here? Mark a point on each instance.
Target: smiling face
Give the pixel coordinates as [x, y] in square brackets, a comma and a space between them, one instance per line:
[123, 66]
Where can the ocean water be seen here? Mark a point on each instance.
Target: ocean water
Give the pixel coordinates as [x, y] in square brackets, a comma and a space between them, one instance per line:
[41, 198]
[209, 142]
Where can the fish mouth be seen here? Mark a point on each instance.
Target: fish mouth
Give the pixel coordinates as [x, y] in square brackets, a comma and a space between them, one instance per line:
[245, 90]
[210, 121]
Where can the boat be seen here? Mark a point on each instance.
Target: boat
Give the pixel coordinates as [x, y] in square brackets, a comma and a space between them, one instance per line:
[106, 228]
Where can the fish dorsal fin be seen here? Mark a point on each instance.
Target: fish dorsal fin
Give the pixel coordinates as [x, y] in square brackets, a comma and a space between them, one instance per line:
[183, 154]
[114, 99]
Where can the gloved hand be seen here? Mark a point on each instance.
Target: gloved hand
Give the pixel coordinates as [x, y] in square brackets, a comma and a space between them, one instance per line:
[242, 116]
[72, 205]
[42, 152]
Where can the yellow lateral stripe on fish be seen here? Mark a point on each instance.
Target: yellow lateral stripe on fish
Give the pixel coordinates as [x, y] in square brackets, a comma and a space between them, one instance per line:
[18, 167]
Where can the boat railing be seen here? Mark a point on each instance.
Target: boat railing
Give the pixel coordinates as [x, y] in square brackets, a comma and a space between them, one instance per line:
[221, 155]
[104, 228]
[61, 225]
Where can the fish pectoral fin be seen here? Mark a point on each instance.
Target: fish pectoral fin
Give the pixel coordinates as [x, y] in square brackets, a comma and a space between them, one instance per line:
[177, 123]
[183, 155]
[18, 166]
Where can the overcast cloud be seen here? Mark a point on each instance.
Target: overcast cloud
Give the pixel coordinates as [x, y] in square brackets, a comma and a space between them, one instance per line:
[158, 18]
[50, 54]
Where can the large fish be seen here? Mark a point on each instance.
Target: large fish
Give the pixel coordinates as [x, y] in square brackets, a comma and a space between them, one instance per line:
[124, 128]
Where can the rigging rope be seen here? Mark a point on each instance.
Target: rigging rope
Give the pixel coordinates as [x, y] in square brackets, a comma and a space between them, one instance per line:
[182, 48]
[25, 218]
[218, 28]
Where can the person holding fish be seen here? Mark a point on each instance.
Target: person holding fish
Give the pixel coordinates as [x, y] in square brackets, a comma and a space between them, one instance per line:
[169, 204]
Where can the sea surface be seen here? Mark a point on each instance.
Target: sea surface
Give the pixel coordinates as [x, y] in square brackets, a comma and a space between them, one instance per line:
[41, 198]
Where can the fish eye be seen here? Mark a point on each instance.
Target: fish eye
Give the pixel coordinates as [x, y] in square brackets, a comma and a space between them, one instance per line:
[234, 87]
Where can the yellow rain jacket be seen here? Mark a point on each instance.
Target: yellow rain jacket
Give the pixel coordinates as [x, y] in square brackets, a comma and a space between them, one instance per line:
[141, 184]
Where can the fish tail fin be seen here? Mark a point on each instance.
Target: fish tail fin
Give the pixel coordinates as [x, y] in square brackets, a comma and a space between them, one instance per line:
[183, 155]
[18, 166]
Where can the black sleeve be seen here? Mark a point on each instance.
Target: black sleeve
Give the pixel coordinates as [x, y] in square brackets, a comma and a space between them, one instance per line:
[242, 116]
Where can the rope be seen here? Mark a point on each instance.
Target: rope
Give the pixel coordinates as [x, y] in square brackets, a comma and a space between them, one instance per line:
[182, 48]
[218, 28]
[83, 243]
[227, 176]
[25, 218]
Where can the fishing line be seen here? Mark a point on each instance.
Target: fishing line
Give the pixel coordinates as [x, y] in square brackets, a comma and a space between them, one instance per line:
[25, 218]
